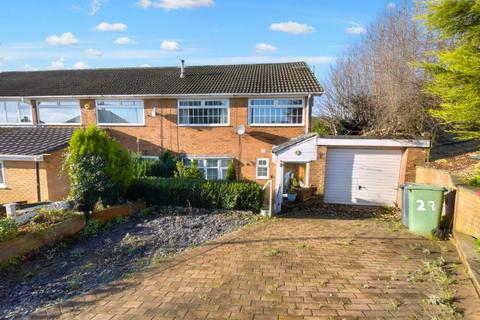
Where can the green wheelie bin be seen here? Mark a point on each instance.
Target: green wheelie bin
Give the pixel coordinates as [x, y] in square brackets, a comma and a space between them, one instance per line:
[425, 204]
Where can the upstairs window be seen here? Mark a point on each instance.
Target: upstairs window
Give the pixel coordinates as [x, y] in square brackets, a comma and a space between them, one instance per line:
[15, 112]
[59, 112]
[120, 112]
[202, 112]
[275, 111]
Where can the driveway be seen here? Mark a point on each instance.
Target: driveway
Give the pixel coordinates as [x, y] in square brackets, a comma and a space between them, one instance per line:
[295, 267]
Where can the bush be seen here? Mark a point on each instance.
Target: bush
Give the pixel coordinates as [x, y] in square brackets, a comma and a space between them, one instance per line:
[92, 227]
[163, 166]
[222, 194]
[100, 168]
[231, 172]
[474, 179]
[8, 229]
[190, 172]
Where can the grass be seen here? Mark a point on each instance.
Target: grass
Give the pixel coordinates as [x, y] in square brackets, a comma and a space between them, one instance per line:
[271, 252]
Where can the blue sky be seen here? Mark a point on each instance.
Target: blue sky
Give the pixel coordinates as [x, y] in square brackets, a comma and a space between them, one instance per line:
[60, 34]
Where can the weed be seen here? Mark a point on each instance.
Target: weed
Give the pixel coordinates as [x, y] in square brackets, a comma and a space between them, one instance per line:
[131, 244]
[8, 229]
[394, 304]
[271, 252]
[146, 212]
[347, 242]
[426, 251]
[413, 246]
[301, 245]
[92, 227]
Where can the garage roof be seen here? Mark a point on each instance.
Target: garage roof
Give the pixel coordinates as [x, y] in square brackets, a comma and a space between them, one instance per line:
[33, 141]
[272, 78]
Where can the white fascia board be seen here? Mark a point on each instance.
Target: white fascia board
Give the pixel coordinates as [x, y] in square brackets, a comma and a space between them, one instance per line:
[391, 143]
[19, 157]
[176, 96]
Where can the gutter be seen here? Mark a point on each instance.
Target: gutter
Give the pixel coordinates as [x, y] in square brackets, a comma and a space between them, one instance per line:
[20, 157]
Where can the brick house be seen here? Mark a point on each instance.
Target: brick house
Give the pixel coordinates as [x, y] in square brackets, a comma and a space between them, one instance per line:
[257, 115]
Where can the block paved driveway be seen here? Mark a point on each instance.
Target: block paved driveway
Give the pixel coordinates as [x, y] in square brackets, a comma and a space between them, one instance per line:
[293, 267]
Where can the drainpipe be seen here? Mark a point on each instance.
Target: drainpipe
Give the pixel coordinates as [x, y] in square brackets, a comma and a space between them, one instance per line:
[307, 117]
[37, 171]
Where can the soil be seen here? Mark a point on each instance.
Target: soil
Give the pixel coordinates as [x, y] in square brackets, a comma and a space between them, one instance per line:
[121, 247]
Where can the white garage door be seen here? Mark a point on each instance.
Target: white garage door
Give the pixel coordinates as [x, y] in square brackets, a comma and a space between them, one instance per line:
[362, 176]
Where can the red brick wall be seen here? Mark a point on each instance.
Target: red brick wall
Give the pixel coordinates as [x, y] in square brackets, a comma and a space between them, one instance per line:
[317, 170]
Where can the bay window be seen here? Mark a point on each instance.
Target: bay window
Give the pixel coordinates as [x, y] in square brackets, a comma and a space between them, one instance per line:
[15, 112]
[120, 112]
[59, 112]
[275, 111]
[202, 112]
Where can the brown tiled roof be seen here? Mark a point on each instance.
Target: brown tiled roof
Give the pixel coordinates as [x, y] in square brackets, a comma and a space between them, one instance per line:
[33, 141]
[274, 78]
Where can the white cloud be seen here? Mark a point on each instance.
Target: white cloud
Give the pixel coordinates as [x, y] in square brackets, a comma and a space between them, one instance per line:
[28, 67]
[123, 41]
[105, 26]
[80, 65]
[170, 45]
[391, 5]
[356, 29]
[292, 27]
[93, 52]
[175, 4]
[265, 47]
[95, 7]
[66, 39]
[58, 64]
[145, 65]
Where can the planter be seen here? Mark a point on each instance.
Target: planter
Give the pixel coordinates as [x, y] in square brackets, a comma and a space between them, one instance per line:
[118, 211]
[305, 194]
[32, 241]
[291, 197]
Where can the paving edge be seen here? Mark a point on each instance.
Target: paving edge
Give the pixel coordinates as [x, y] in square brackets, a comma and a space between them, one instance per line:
[466, 248]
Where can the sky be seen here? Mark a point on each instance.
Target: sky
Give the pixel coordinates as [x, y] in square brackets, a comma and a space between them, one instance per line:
[75, 34]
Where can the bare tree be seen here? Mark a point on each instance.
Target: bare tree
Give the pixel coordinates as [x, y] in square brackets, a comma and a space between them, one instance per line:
[375, 87]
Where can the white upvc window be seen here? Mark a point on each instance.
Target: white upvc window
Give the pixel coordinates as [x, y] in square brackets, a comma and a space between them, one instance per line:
[211, 168]
[2, 176]
[203, 113]
[262, 168]
[59, 112]
[276, 112]
[14, 112]
[120, 112]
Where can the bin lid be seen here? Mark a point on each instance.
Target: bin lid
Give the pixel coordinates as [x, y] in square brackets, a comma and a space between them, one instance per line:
[418, 186]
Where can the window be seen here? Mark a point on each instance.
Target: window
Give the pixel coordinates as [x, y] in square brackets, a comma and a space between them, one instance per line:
[262, 168]
[2, 176]
[202, 112]
[15, 112]
[212, 168]
[59, 112]
[275, 111]
[120, 112]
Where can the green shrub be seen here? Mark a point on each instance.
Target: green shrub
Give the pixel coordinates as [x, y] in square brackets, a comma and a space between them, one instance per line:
[100, 168]
[222, 194]
[163, 166]
[474, 179]
[188, 172]
[8, 229]
[92, 227]
[231, 172]
[321, 126]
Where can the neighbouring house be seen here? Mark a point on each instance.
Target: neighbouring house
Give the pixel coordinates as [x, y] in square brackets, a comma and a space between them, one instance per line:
[257, 115]
[30, 163]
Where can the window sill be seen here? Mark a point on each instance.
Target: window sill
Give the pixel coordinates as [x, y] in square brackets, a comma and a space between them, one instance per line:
[120, 125]
[204, 125]
[29, 124]
[60, 124]
[277, 125]
[3, 186]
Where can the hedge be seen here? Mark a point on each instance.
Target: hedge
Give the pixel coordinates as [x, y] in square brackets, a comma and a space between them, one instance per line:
[198, 193]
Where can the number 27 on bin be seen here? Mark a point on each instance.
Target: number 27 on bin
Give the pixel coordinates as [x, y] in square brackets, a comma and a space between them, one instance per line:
[421, 205]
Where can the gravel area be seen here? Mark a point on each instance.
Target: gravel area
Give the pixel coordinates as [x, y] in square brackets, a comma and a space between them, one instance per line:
[120, 247]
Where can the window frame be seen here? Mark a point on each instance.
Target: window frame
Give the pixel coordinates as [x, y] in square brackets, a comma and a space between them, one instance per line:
[3, 184]
[204, 165]
[275, 105]
[267, 176]
[58, 105]
[120, 124]
[203, 106]
[2, 104]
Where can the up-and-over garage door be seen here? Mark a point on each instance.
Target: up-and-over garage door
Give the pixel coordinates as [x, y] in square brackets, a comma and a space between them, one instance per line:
[362, 176]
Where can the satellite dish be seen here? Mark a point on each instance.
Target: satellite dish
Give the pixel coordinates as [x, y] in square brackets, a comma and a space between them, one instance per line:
[240, 130]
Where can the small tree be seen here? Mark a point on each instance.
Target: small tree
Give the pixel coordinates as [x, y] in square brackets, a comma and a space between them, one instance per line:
[99, 168]
[191, 172]
[231, 172]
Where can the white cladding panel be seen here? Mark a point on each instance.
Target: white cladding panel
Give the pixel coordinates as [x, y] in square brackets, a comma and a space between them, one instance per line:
[362, 176]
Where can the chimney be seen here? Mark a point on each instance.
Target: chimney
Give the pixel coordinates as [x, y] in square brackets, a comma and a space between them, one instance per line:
[182, 69]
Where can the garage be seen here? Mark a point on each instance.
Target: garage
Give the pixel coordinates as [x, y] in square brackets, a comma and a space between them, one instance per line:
[362, 176]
